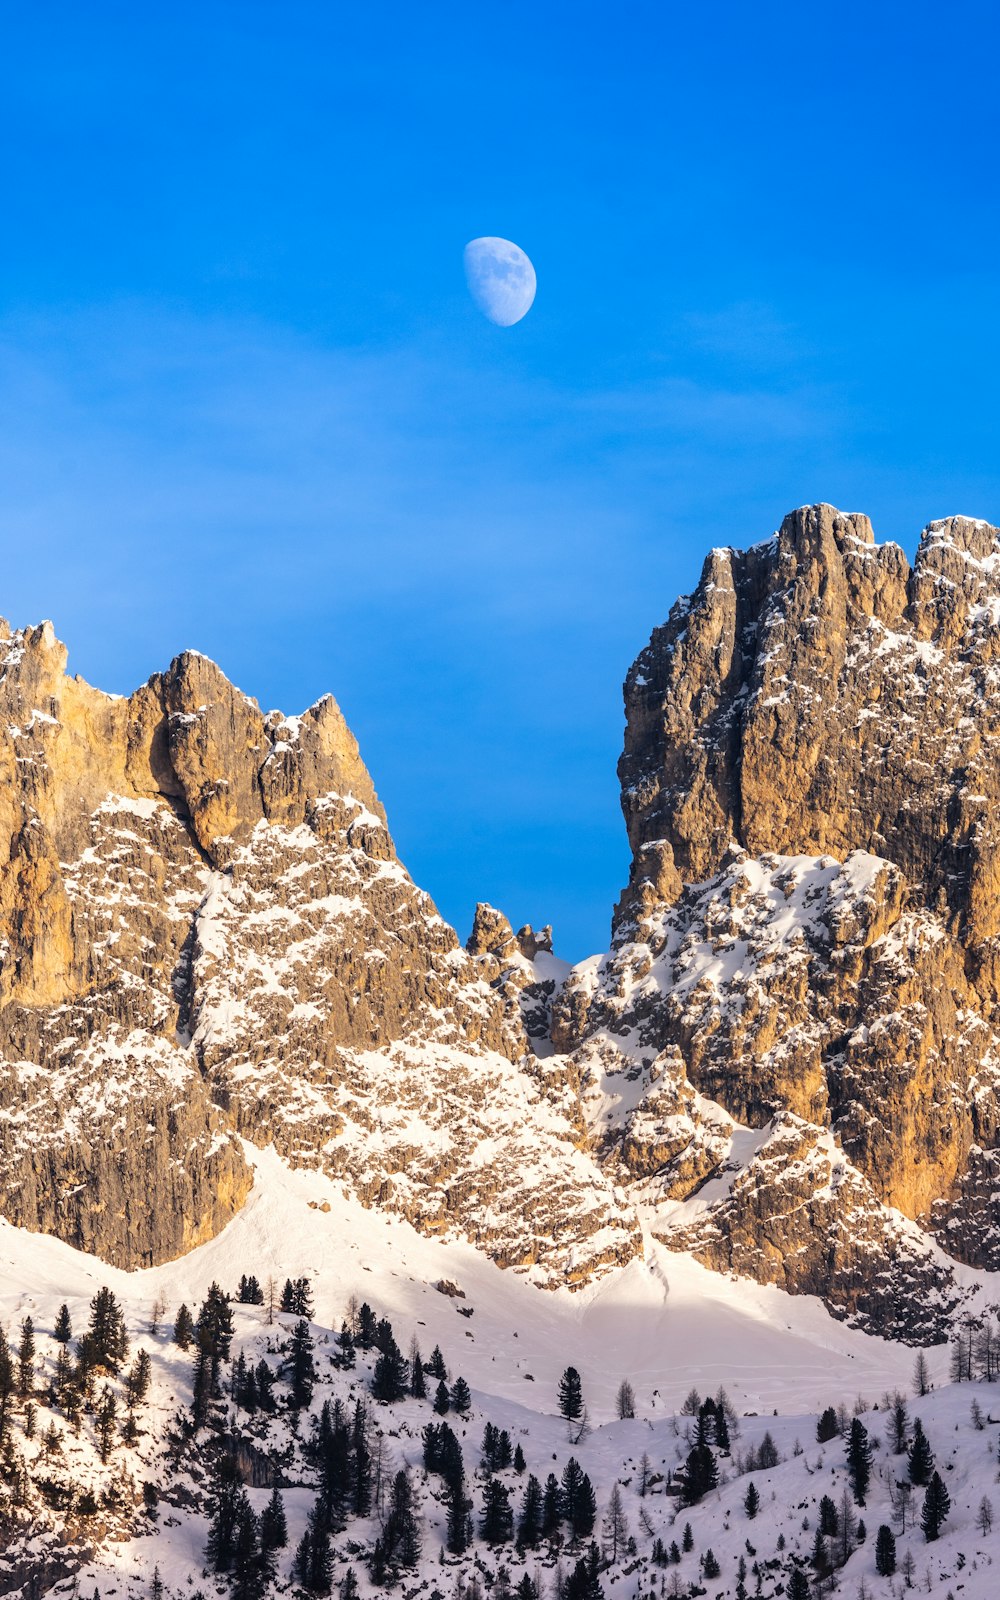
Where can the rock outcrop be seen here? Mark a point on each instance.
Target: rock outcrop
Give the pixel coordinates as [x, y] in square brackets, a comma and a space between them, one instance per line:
[206, 937]
[810, 929]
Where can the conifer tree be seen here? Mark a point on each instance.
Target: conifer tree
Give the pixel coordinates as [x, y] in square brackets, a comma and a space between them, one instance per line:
[937, 1504]
[105, 1343]
[885, 1551]
[826, 1427]
[751, 1500]
[183, 1328]
[436, 1367]
[710, 1566]
[63, 1330]
[859, 1460]
[107, 1412]
[497, 1521]
[273, 1524]
[215, 1328]
[920, 1461]
[798, 1585]
[687, 1538]
[139, 1378]
[442, 1399]
[551, 1507]
[401, 1535]
[26, 1360]
[519, 1461]
[529, 1525]
[571, 1395]
[301, 1368]
[461, 1399]
[389, 1377]
[827, 1516]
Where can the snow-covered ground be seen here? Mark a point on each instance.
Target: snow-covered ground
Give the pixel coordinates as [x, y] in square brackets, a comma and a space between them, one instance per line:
[665, 1324]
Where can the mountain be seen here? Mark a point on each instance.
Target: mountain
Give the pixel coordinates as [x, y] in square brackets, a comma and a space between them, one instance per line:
[786, 1064]
[206, 937]
[755, 1144]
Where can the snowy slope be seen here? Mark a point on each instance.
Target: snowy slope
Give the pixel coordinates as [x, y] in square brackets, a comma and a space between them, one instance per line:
[667, 1325]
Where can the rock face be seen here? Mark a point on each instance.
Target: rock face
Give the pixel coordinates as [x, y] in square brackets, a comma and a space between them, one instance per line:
[205, 936]
[810, 930]
[788, 1063]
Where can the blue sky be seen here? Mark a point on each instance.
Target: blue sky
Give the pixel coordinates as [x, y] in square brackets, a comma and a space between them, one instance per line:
[246, 404]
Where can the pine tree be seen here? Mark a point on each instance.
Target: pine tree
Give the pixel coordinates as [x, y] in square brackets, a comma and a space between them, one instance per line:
[183, 1328]
[26, 1360]
[827, 1517]
[885, 1551]
[105, 1343]
[826, 1427]
[215, 1327]
[710, 1566]
[246, 1563]
[107, 1412]
[461, 1398]
[920, 1462]
[900, 1424]
[225, 1501]
[497, 1521]
[367, 1324]
[519, 1461]
[63, 1330]
[301, 1367]
[687, 1538]
[349, 1586]
[859, 1461]
[551, 1507]
[937, 1504]
[139, 1378]
[442, 1399]
[700, 1474]
[798, 1585]
[401, 1536]
[921, 1374]
[529, 1525]
[273, 1524]
[751, 1500]
[571, 1395]
[389, 1376]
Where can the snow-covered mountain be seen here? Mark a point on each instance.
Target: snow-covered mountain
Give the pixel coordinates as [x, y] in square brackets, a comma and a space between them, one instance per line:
[238, 1039]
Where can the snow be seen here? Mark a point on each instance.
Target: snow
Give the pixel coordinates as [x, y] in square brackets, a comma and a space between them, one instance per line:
[665, 1323]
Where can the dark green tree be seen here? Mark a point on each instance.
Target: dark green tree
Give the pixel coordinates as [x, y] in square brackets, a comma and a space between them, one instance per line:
[442, 1399]
[461, 1399]
[571, 1395]
[885, 1551]
[497, 1521]
[827, 1517]
[529, 1527]
[63, 1330]
[859, 1460]
[751, 1500]
[798, 1585]
[826, 1427]
[920, 1461]
[710, 1566]
[390, 1375]
[105, 1343]
[301, 1367]
[26, 1360]
[937, 1504]
[273, 1524]
[700, 1474]
[183, 1328]
[436, 1367]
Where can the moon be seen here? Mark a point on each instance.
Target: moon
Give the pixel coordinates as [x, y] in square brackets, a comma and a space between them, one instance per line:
[501, 279]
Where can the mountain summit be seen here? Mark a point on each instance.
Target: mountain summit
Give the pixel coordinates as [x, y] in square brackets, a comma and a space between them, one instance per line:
[785, 1065]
